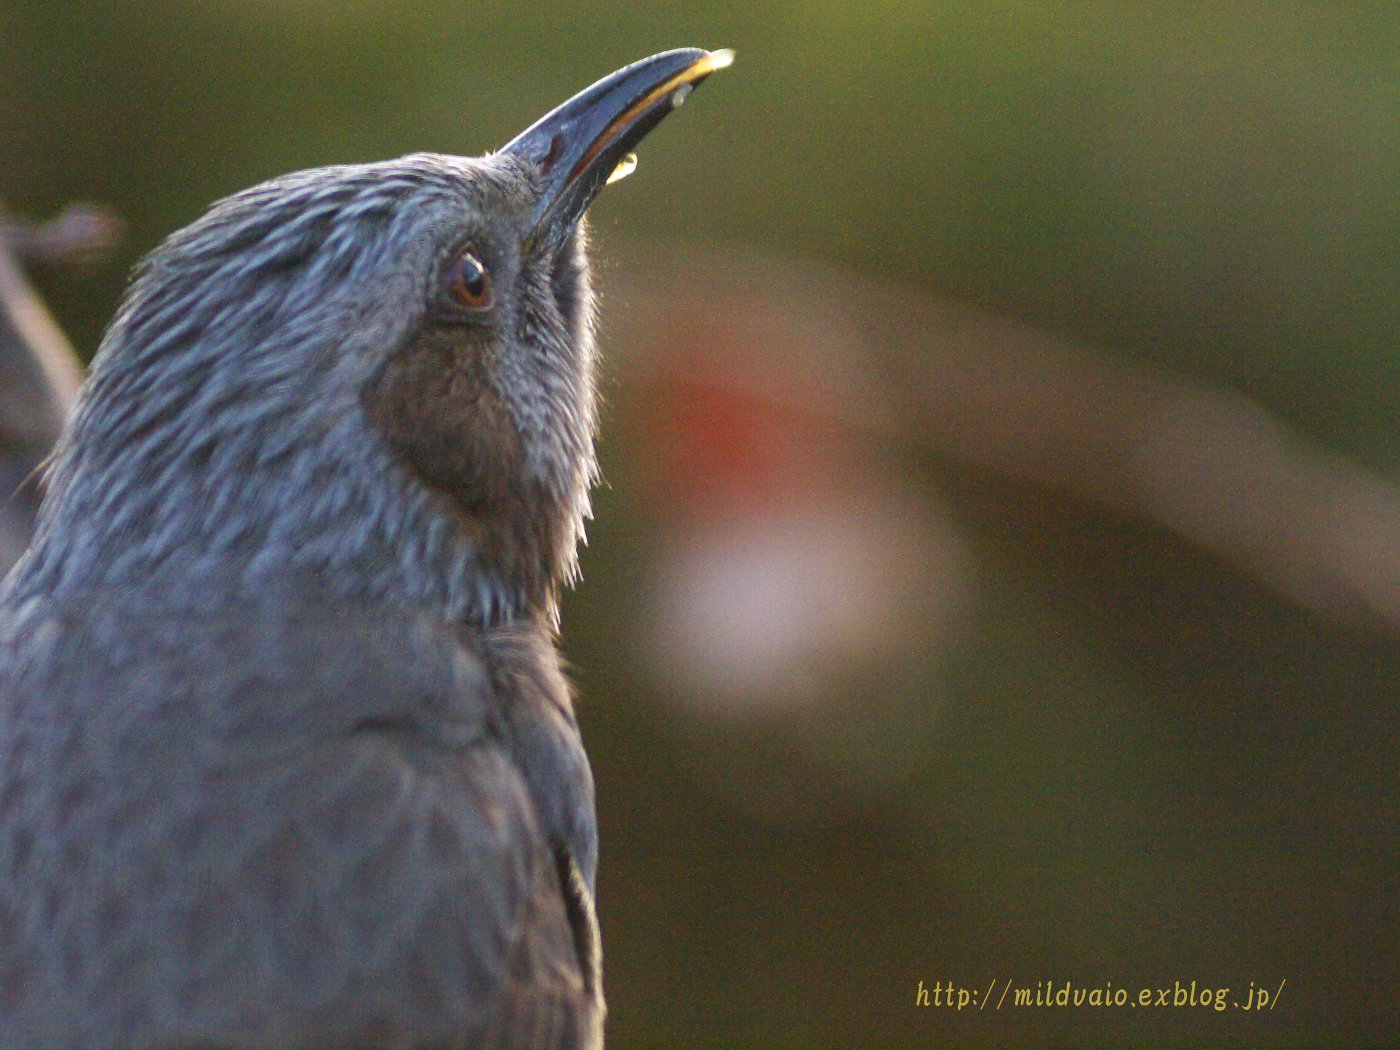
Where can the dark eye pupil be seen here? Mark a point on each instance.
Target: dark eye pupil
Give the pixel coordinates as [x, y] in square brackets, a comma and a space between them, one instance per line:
[472, 276]
[470, 284]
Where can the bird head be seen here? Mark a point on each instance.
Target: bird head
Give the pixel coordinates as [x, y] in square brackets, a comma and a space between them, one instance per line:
[378, 374]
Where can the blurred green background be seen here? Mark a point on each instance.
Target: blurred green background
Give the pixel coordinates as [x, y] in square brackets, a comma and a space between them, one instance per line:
[1045, 725]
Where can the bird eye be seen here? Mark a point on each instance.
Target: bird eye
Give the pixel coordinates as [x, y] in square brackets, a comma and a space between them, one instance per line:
[471, 284]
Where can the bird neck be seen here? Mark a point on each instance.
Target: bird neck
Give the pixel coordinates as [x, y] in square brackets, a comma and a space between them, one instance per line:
[344, 514]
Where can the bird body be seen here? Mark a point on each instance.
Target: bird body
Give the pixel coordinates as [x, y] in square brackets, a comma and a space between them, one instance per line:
[239, 850]
[287, 755]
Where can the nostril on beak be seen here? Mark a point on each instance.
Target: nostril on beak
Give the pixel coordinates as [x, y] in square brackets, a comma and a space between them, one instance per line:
[556, 147]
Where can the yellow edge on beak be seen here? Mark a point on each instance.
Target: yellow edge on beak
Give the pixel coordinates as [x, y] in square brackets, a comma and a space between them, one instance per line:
[703, 67]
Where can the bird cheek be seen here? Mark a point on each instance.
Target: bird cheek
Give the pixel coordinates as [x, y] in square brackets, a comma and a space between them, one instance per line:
[459, 385]
[421, 403]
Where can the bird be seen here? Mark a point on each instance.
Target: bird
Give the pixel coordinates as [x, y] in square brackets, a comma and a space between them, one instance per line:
[288, 752]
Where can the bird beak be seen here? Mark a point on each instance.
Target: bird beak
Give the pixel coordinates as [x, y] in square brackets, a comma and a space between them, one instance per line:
[583, 144]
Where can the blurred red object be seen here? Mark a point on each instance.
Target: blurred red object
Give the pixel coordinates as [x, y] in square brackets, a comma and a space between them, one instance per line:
[796, 553]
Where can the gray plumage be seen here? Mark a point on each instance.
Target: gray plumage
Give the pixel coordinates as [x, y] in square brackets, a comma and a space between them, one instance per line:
[225, 412]
[287, 757]
[255, 675]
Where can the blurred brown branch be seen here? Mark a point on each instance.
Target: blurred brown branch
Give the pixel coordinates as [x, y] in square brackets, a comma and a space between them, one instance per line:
[80, 235]
[1209, 464]
[39, 372]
